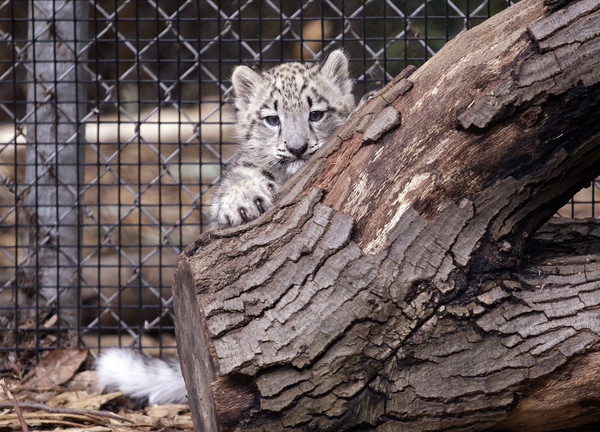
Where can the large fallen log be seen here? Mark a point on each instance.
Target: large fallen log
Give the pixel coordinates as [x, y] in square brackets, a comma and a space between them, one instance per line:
[402, 281]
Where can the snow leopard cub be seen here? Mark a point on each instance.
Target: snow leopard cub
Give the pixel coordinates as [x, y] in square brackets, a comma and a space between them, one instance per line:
[284, 115]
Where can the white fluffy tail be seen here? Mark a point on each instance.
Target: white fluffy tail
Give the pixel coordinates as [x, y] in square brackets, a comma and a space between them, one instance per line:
[141, 377]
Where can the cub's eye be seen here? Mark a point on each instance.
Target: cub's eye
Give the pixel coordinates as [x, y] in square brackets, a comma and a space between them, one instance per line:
[315, 116]
[272, 120]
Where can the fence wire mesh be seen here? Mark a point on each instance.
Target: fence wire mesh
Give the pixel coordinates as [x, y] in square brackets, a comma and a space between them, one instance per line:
[114, 125]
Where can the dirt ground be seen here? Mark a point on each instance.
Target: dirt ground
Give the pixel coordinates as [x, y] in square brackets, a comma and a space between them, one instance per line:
[61, 394]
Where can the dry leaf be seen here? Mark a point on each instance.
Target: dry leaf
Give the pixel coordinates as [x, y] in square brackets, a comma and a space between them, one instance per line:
[56, 367]
[81, 400]
[66, 399]
[171, 415]
[85, 380]
[166, 410]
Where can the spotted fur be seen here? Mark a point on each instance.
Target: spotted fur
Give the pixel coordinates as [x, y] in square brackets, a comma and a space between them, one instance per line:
[284, 115]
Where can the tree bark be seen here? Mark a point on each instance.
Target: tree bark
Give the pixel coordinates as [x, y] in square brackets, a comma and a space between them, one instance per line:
[402, 281]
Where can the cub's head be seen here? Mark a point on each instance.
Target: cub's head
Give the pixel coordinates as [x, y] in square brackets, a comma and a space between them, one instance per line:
[286, 113]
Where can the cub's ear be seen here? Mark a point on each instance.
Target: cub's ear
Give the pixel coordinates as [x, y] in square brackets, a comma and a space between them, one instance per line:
[335, 69]
[245, 83]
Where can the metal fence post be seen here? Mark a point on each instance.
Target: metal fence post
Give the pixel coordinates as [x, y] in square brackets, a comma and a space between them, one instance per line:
[55, 136]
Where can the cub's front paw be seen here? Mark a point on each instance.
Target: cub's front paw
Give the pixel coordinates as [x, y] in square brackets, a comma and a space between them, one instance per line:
[236, 203]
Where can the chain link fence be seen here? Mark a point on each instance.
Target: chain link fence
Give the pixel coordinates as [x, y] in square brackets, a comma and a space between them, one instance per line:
[114, 125]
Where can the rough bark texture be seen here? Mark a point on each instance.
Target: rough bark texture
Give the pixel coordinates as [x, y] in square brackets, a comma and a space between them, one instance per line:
[397, 284]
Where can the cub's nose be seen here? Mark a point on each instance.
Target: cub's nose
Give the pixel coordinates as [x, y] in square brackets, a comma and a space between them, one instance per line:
[297, 149]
